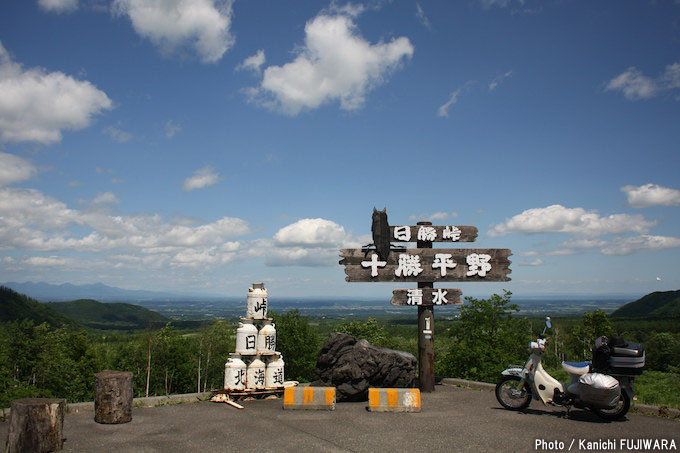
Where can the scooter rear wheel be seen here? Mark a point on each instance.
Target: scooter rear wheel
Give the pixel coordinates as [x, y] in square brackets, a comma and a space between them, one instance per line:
[510, 395]
[618, 412]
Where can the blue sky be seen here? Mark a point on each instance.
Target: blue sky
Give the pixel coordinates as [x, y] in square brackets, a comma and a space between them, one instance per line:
[203, 145]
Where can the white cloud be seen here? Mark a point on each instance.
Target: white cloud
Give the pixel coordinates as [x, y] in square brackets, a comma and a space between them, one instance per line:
[307, 242]
[651, 195]
[635, 85]
[443, 110]
[22, 208]
[486, 4]
[626, 246]
[172, 128]
[335, 64]
[189, 236]
[172, 24]
[534, 263]
[561, 252]
[58, 6]
[498, 80]
[101, 171]
[582, 243]
[349, 9]
[253, 62]
[33, 222]
[671, 77]
[311, 232]
[14, 169]
[117, 134]
[422, 17]
[47, 261]
[203, 177]
[558, 219]
[300, 256]
[616, 246]
[36, 106]
[205, 256]
[436, 216]
[107, 198]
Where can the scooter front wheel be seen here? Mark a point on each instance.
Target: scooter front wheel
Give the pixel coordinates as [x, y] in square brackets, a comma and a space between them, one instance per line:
[510, 395]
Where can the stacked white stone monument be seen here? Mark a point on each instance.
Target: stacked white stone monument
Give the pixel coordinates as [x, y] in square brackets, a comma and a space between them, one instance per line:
[256, 365]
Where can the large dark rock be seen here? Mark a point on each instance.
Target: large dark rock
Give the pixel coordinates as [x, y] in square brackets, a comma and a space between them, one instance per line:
[353, 366]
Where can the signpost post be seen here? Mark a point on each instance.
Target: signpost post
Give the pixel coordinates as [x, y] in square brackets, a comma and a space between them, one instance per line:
[426, 325]
[426, 266]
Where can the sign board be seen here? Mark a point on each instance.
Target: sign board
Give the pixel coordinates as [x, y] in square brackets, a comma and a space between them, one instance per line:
[427, 296]
[433, 233]
[427, 265]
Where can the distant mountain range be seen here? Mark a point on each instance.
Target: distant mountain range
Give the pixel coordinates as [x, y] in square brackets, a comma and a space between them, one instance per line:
[17, 307]
[660, 304]
[114, 315]
[47, 292]
[78, 313]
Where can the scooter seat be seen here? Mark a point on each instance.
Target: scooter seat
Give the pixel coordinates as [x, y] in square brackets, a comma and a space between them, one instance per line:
[576, 368]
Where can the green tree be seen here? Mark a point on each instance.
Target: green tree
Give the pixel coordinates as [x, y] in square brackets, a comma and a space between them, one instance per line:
[42, 362]
[172, 369]
[298, 344]
[485, 339]
[663, 352]
[131, 355]
[583, 336]
[369, 330]
[67, 364]
[215, 342]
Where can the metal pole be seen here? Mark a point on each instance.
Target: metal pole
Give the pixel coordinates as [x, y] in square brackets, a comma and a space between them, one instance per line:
[425, 332]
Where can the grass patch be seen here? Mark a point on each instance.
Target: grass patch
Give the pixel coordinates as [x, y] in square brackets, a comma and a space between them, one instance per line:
[658, 389]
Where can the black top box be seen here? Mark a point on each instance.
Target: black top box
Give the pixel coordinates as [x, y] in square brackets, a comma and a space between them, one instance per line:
[630, 349]
[618, 357]
[627, 359]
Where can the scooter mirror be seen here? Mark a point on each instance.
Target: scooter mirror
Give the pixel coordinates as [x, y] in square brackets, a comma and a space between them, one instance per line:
[548, 324]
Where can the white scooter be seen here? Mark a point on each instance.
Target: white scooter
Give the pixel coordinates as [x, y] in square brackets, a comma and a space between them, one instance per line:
[605, 395]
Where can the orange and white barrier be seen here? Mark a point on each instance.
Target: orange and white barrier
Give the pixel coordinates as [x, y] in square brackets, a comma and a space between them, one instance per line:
[309, 398]
[393, 400]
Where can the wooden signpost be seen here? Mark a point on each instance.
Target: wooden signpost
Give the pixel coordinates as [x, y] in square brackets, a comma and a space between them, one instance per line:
[426, 266]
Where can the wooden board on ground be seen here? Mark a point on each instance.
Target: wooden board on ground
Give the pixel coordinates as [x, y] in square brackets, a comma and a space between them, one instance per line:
[239, 394]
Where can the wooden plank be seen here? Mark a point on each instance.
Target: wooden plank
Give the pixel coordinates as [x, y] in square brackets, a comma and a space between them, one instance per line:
[443, 233]
[366, 267]
[451, 296]
[232, 403]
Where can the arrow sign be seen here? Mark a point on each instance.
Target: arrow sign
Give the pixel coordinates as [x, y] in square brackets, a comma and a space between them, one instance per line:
[427, 296]
[428, 265]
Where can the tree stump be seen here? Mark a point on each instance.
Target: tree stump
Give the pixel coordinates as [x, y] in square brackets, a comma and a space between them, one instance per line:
[36, 425]
[113, 397]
